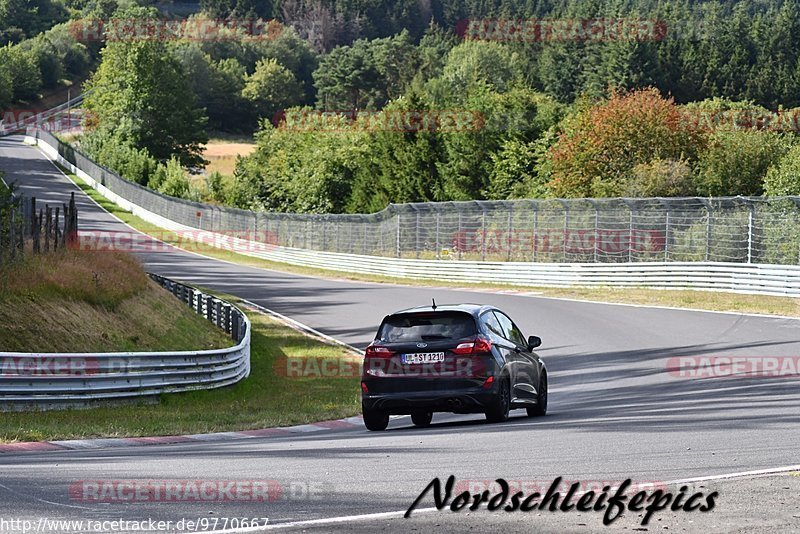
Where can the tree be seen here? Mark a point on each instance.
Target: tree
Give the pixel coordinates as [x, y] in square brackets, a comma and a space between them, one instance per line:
[601, 145]
[23, 69]
[366, 74]
[139, 84]
[271, 88]
[783, 178]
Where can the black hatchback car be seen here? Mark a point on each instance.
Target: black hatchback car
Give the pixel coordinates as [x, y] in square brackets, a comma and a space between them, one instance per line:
[465, 358]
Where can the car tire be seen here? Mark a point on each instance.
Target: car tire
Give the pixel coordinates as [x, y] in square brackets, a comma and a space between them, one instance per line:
[375, 420]
[501, 406]
[421, 418]
[541, 398]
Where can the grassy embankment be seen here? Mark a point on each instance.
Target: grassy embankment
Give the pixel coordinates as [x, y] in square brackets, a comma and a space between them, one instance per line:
[99, 301]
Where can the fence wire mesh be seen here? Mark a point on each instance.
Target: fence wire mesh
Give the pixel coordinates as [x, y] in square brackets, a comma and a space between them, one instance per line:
[614, 230]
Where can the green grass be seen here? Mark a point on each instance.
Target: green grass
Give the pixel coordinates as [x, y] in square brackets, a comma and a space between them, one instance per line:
[705, 300]
[263, 400]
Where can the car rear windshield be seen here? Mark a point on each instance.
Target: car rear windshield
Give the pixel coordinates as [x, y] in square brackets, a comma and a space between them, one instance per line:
[430, 326]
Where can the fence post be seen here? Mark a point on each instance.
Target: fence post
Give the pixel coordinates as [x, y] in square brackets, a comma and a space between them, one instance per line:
[535, 229]
[461, 237]
[630, 235]
[36, 243]
[510, 230]
[438, 221]
[709, 212]
[398, 234]
[750, 217]
[364, 224]
[666, 235]
[235, 326]
[566, 230]
[228, 328]
[483, 233]
[596, 230]
[416, 233]
[48, 227]
[209, 308]
[218, 310]
[57, 233]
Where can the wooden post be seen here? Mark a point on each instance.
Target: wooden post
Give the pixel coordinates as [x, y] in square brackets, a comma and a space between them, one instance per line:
[47, 227]
[56, 232]
[37, 233]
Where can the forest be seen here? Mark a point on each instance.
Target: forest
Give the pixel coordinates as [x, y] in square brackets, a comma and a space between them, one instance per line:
[353, 105]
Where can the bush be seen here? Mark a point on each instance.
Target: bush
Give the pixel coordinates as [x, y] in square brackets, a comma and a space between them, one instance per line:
[783, 178]
[661, 178]
[736, 162]
[175, 183]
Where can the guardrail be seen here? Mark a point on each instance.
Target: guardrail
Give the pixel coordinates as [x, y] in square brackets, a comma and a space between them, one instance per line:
[50, 380]
[751, 278]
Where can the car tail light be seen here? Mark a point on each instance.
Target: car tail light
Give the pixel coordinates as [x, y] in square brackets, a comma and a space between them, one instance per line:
[377, 351]
[364, 388]
[488, 383]
[479, 346]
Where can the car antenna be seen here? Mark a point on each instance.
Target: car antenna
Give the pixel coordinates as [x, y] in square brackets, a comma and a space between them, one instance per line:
[434, 304]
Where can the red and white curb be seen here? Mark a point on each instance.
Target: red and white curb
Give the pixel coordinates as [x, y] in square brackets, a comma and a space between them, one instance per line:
[349, 423]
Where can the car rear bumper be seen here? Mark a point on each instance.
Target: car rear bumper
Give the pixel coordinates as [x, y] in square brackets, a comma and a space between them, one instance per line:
[457, 400]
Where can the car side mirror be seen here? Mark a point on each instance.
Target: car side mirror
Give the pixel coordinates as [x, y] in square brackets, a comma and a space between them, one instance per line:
[533, 342]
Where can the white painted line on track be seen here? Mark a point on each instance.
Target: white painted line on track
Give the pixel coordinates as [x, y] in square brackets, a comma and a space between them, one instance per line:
[401, 513]
[297, 325]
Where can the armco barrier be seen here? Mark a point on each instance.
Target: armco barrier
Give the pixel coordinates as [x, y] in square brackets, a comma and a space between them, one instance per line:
[47, 380]
[751, 278]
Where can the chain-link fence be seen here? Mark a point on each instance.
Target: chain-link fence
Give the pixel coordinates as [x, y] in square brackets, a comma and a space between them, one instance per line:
[730, 229]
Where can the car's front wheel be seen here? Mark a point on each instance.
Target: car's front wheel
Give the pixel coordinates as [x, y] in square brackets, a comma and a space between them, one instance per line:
[498, 411]
[421, 418]
[541, 398]
[375, 419]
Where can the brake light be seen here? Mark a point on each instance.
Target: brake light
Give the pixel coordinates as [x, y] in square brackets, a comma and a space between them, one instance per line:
[488, 383]
[377, 351]
[478, 346]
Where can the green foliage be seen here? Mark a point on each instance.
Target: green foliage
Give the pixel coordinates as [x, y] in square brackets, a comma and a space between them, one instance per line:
[175, 182]
[111, 150]
[23, 68]
[661, 178]
[144, 97]
[735, 162]
[366, 74]
[783, 178]
[306, 171]
[270, 88]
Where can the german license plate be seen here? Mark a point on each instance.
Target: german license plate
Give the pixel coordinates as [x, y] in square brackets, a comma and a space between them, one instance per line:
[423, 357]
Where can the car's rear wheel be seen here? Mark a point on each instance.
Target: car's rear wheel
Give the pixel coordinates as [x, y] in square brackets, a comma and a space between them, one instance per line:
[541, 398]
[498, 411]
[420, 418]
[375, 419]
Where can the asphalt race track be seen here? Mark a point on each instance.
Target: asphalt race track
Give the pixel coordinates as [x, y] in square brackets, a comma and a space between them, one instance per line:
[615, 411]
